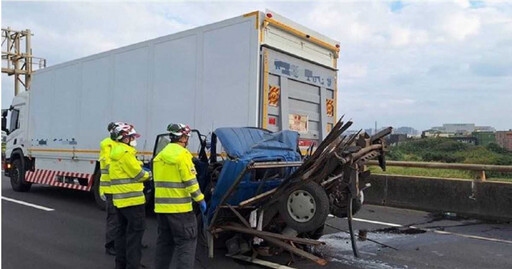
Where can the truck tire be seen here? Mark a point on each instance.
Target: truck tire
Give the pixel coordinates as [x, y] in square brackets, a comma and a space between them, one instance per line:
[98, 198]
[17, 175]
[305, 209]
[341, 211]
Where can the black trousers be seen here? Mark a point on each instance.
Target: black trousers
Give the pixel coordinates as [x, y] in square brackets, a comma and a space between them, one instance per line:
[177, 236]
[112, 223]
[128, 241]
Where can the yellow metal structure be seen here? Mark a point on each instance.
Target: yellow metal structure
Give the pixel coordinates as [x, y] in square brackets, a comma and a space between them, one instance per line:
[17, 58]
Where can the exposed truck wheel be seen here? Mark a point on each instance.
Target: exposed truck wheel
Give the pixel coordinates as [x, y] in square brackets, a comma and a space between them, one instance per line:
[340, 210]
[98, 198]
[306, 208]
[17, 175]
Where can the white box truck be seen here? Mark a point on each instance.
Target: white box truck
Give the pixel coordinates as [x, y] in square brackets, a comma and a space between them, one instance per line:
[259, 69]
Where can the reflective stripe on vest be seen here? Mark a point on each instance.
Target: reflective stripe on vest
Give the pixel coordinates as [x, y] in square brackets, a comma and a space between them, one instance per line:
[122, 181]
[105, 184]
[140, 175]
[128, 195]
[196, 193]
[173, 200]
[104, 171]
[181, 185]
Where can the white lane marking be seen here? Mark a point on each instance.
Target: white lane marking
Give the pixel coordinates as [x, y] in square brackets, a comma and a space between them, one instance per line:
[28, 204]
[436, 231]
[464, 235]
[378, 222]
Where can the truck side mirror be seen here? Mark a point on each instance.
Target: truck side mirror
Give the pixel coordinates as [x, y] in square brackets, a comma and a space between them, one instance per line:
[4, 124]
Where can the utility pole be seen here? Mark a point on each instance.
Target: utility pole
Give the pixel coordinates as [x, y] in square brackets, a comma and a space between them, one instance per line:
[17, 60]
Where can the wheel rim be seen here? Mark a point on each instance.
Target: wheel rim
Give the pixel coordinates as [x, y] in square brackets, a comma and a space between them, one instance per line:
[301, 206]
[16, 176]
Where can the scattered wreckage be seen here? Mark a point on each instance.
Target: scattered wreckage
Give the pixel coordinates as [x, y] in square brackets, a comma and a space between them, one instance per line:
[265, 196]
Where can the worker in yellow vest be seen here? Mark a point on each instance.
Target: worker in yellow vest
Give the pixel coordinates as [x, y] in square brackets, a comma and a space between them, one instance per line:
[175, 188]
[106, 146]
[126, 184]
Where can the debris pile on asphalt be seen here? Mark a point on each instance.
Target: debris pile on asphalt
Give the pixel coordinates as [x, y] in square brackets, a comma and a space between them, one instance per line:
[332, 171]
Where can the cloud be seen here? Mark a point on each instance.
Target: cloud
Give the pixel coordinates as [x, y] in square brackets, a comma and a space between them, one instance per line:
[460, 25]
[410, 63]
[354, 70]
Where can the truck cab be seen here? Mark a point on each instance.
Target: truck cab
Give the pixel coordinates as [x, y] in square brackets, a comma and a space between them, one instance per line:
[15, 125]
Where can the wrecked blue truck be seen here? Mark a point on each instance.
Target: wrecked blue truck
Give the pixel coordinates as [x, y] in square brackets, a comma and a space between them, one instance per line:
[264, 195]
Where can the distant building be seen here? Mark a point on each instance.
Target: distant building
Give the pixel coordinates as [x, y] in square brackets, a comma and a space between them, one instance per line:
[405, 130]
[433, 133]
[504, 139]
[465, 139]
[462, 129]
[459, 128]
[395, 139]
[485, 129]
[484, 138]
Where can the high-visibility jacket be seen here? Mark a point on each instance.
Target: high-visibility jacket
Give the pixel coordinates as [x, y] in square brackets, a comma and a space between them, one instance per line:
[126, 177]
[106, 146]
[175, 180]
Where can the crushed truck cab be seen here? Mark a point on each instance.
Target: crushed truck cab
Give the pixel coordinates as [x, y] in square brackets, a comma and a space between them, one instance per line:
[258, 185]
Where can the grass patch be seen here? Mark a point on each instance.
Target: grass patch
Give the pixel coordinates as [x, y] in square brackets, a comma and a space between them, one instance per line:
[447, 151]
[432, 172]
[423, 172]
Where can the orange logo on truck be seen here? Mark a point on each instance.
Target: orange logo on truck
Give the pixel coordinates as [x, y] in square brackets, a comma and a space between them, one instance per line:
[273, 95]
[330, 107]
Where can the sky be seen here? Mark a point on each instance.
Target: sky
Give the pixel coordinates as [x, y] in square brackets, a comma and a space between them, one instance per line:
[402, 63]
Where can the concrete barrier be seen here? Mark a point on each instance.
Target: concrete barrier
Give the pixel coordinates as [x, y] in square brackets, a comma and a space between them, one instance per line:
[488, 200]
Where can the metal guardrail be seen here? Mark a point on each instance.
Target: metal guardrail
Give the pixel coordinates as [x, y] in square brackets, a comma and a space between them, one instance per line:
[481, 168]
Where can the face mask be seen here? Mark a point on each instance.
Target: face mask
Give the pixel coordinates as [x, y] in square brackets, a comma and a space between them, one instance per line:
[133, 143]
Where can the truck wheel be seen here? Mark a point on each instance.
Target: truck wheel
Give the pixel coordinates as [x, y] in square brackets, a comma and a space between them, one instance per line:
[340, 210]
[98, 198]
[305, 209]
[17, 175]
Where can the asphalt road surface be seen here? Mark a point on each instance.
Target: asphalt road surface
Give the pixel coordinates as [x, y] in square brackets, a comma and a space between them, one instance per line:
[61, 228]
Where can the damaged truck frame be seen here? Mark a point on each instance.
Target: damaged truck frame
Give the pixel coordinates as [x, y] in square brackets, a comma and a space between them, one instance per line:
[262, 192]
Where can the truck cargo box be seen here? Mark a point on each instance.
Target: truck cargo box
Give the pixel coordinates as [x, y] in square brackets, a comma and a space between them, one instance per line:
[259, 69]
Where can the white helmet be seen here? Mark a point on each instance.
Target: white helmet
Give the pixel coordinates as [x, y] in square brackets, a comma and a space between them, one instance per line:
[178, 129]
[124, 130]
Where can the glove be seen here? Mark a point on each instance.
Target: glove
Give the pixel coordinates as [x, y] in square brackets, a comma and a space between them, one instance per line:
[146, 169]
[202, 206]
